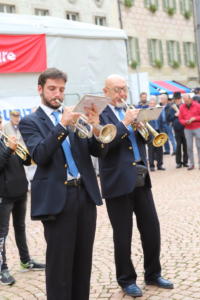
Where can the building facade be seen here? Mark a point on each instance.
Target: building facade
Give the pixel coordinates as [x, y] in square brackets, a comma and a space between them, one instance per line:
[100, 12]
[161, 38]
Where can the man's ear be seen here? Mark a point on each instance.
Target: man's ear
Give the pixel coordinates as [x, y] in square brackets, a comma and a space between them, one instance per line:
[40, 90]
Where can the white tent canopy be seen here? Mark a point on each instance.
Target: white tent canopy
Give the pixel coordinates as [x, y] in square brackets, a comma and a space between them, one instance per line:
[87, 53]
[28, 24]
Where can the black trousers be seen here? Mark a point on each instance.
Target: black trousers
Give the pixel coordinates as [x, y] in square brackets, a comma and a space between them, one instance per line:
[70, 241]
[120, 211]
[181, 148]
[155, 154]
[16, 207]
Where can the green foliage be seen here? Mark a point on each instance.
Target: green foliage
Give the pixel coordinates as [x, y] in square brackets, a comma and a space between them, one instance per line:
[128, 3]
[175, 64]
[133, 64]
[153, 8]
[191, 64]
[171, 11]
[187, 14]
[158, 64]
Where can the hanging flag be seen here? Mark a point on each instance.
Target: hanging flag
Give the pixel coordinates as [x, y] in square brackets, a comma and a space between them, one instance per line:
[23, 53]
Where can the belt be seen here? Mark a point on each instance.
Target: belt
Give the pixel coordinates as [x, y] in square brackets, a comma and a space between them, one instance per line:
[75, 182]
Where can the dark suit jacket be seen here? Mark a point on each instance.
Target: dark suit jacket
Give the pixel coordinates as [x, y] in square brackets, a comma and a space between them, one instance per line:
[117, 168]
[13, 182]
[48, 187]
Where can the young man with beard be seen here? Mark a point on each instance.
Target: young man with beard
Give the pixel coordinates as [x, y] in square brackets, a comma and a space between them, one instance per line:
[64, 188]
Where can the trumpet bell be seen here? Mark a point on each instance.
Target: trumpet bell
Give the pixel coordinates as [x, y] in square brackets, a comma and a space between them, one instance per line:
[107, 133]
[160, 139]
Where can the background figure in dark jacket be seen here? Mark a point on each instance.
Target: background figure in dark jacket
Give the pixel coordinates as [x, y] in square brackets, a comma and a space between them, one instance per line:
[196, 96]
[155, 153]
[165, 126]
[181, 145]
[13, 199]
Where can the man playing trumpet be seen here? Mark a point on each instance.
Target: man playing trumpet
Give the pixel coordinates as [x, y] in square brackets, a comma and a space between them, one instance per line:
[126, 187]
[13, 201]
[64, 189]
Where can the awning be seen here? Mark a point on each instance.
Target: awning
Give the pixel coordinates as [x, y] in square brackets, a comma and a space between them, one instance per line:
[152, 90]
[168, 87]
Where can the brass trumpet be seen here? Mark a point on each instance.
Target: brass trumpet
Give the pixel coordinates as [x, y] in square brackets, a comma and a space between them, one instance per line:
[21, 151]
[144, 129]
[85, 130]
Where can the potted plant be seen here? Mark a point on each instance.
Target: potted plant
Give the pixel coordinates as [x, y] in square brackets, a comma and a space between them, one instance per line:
[191, 64]
[175, 64]
[128, 3]
[152, 8]
[133, 64]
[158, 63]
[171, 11]
[187, 14]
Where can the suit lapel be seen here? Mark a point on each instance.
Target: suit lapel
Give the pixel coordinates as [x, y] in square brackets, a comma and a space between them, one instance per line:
[44, 118]
[110, 114]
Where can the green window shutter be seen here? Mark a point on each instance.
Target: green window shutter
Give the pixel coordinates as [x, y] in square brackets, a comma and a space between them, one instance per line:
[185, 52]
[129, 49]
[168, 52]
[161, 51]
[146, 3]
[181, 6]
[178, 52]
[174, 4]
[150, 51]
[164, 4]
[137, 49]
[194, 53]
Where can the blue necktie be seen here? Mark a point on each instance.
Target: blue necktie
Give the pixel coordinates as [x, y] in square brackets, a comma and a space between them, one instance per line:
[72, 168]
[164, 115]
[131, 136]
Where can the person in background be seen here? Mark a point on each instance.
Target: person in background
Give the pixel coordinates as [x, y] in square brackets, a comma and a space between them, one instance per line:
[181, 145]
[64, 189]
[155, 153]
[125, 194]
[13, 201]
[164, 124]
[196, 96]
[1, 123]
[11, 128]
[143, 101]
[189, 117]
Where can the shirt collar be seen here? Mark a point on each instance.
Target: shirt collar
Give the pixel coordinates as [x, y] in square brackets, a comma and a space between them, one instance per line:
[48, 110]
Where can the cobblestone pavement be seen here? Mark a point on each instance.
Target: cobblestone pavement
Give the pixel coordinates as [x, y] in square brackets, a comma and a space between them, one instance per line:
[177, 198]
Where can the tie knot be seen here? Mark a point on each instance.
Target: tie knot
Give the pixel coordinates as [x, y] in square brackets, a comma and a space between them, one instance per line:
[118, 109]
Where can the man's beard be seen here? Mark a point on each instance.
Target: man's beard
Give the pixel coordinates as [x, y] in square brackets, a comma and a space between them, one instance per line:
[48, 102]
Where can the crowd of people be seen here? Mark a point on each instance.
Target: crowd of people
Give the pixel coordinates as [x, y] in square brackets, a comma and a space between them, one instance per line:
[180, 120]
[65, 189]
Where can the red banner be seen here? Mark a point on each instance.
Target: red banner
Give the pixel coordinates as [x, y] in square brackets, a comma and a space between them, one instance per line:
[22, 53]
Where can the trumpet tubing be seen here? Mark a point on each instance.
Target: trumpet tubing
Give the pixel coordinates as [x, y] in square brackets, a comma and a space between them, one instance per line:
[21, 151]
[107, 133]
[159, 138]
[85, 130]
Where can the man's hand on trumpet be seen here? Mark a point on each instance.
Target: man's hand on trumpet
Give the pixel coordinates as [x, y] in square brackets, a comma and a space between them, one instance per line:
[130, 117]
[93, 118]
[69, 117]
[12, 143]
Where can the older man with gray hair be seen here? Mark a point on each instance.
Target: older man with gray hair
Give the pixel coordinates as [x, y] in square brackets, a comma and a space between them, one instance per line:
[189, 116]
